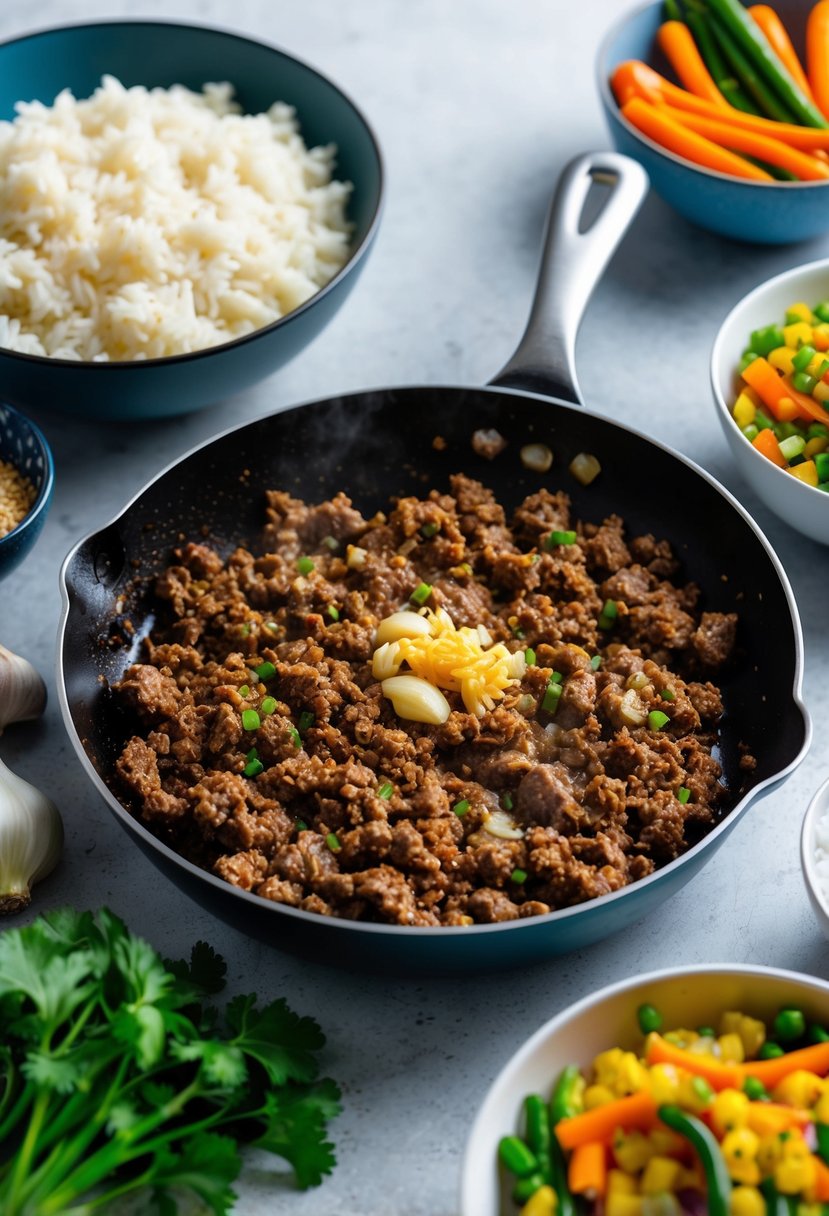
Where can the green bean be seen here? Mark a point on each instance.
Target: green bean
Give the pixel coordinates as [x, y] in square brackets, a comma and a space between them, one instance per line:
[537, 1121]
[747, 74]
[755, 46]
[517, 1157]
[558, 1166]
[525, 1188]
[723, 77]
[567, 1099]
[707, 1149]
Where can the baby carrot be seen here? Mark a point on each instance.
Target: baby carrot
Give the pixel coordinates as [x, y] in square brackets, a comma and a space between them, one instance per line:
[766, 443]
[717, 1074]
[599, 1124]
[587, 1169]
[781, 397]
[772, 151]
[814, 1058]
[817, 54]
[677, 45]
[662, 129]
[781, 43]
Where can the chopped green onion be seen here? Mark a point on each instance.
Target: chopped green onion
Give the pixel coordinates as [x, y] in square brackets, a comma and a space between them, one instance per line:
[268, 705]
[272, 626]
[253, 768]
[301, 825]
[683, 793]
[245, 629]
[764, 341]
[250, 719]
[656, 719]
[460, 808]
[333, 842]
[507, 801]
[304, 565]
[331, 543]
[421, 593]
[265, 670]
[667, 695]
[803, 358]
[333, 612]
[244, 690]
[803, 382]
[596, 662]
[552, 696]
[306, 719]
[560, 537]
[518, 876]
[296, 738]
[608, 614]
[556, 677]
[429, 530]
[529, 656]
[252, 754]
[385, 790]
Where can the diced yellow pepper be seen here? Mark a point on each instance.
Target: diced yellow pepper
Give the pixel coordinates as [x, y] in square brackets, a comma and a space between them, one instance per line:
[820, 336]
[543, 1203]
[660, 1175]
[813, 446]
[632, 1150]
[597, 1095]
[782, 358]
[747, 1201]
[801, 311]
[667, 1143]
[729, 1110]
[623, 1205]
[664, 1083]
[807, 471]
[821, 1111]
[770, 1151]
[797, 334]
[816, 364]
[821, 392]
[695, 1094]
[620, 1183]
[744, 410]
[796, 1170]
[739, 1150]
[632, 1076]
[606, 1067]
[751, 1031]
[731, 1048]
[800, 1088]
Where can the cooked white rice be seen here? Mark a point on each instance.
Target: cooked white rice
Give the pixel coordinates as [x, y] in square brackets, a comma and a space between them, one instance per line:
[142, 223]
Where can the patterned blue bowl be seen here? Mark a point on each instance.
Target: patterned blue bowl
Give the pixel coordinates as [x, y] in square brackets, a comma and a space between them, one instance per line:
[768, 213]
[23, 445]
[157, 53]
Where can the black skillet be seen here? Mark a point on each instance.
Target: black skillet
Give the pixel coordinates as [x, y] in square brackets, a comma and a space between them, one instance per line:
[379, 443]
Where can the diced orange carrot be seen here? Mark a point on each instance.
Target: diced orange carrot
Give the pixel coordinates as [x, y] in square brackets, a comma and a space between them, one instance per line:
[780, 396]
[587, 1169]
[769, 1118]
[765, 442]
[637, 1111]
[719, 1075]
[814, 1058]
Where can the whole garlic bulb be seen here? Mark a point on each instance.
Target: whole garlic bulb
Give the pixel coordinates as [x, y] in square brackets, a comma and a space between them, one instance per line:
[22, 691]
[31, 839]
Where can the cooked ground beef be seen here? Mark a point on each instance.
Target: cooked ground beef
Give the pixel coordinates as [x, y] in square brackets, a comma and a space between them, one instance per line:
[323, 799]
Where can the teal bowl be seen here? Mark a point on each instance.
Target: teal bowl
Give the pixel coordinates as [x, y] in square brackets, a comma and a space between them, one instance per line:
[24, 446]
[156, 53]
[767, 213]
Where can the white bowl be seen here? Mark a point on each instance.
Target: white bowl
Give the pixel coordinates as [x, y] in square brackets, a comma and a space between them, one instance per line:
[800, 505]
[687, 996]
[819, 899]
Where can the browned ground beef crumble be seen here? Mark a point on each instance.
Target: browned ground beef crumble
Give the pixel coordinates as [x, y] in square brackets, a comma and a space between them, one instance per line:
[597, 801]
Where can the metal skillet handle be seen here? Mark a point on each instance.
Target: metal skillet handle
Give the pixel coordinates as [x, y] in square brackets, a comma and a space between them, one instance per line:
[572, 262]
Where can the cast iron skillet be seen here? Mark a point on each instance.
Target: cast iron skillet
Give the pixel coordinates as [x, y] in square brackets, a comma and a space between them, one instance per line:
[379, 443]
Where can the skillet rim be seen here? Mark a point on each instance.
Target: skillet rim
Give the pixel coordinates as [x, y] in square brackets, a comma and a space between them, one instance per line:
[436, 932]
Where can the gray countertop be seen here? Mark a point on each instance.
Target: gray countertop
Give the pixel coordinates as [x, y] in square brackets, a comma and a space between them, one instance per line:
[478, 105]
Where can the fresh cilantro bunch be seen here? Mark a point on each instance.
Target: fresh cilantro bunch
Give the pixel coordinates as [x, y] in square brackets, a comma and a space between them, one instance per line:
[118, 1077]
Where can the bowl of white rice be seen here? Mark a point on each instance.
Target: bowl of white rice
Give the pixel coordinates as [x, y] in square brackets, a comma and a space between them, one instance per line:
[181, 211]
[814, 854]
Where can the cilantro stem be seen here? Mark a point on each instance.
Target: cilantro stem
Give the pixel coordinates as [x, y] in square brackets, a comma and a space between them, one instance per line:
[9, 1078]
[26, 1151]
[13, 1117]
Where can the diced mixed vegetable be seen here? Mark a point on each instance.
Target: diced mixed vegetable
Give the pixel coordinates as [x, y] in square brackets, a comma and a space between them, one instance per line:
[742, 103]
[728, 1120]
[783, 405]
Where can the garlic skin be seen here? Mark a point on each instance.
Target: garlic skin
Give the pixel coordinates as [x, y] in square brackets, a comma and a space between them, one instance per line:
[22, 691]
[31, 839]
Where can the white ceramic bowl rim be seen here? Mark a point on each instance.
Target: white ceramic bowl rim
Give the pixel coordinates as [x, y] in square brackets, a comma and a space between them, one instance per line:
[817, 809]
[756, 293]
[609, 96]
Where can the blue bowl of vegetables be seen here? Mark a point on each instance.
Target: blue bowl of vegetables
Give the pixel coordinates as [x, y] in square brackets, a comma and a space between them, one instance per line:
[189, 375]
[654, 117]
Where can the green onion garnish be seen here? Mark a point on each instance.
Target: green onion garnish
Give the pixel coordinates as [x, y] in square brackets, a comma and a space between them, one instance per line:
[245, 629]
[596, 662]
[656, 719]
[333, 612]
[429, 530]
[555, 678]
[518, 876]
[385, 790]
[306, 719]
[507, 801]
[268, 705]
[295, 736]
[272, 626]
[558, 537]
[253, 768]
[552, 696]
[460, 808]
[250, 719]
[421, 593]
[244, 690]
[252, 754]
[608, 614]
[301, 825]
[265, 670]
[667, 695]
[304, 565]
[333, 842]
[529, 656]
[330, 542]
[683, 793]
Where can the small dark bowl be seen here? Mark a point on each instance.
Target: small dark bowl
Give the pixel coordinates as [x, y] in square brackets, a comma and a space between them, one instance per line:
[155, 53]
[23, 445]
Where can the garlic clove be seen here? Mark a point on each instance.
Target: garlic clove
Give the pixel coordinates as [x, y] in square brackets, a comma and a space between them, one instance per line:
[31, 839]
[22, 691]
